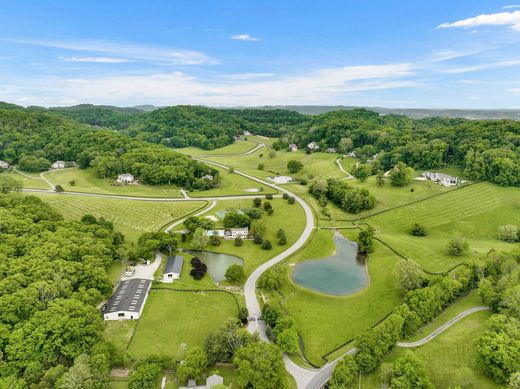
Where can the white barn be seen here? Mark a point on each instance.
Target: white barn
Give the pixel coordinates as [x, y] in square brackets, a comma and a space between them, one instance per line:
[173, 268]
[128, 300]
[125, 178]
[4, 165]
[58, 165]
[442, 179]
[313, 146]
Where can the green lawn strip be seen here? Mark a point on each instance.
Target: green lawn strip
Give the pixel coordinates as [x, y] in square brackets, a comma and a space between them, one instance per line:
[119, 333]
[238, 147]
[232, 185]
[469, 301]
[131, 217]
[172, 317]
[29, 180]
[447, 356]
[326, 322]
[290, 218]
[473, 212]
[348, 163]
[85, 181]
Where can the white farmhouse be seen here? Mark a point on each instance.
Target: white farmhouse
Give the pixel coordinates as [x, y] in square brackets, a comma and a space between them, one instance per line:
[125, 178]
[293, 147]
[173, 268]
[128, 301]
[208, 177]
[331, 150]
[58, 165]
[234, 233]
[4, 165]
[441, 179]
[247, 133]
[313, 146]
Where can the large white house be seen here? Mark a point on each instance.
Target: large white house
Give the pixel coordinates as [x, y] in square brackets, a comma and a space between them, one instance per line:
[58, 165]
[173, 268]
[231, 233]
[4, 165]
[442, 179]
[126, 178]
[313, 146]
[128, 301]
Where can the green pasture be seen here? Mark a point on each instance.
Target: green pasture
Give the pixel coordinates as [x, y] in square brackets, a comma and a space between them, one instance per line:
[29, 180]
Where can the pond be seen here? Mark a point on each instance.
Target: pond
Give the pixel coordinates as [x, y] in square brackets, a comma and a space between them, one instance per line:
[340, 274]
[217, 263]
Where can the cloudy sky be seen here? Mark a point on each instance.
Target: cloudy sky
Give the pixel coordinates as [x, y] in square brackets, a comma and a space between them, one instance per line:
[432, 54]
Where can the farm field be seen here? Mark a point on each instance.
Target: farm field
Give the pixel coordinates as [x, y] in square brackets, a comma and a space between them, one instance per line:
[449, 358]
[473, 212]
[171, 318]
[131, 217]
[29, 180]
[86, 181]
[324, 321]
[315, 165]
[232, 185]
[240, 146]
[290, 218]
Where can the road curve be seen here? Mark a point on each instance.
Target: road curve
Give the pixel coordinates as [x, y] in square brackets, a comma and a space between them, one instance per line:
[443, 327]
[202, 212]
[340, 167]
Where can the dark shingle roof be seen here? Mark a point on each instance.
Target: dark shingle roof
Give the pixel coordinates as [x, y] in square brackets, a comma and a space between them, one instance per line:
[174, 264]
[129, 296]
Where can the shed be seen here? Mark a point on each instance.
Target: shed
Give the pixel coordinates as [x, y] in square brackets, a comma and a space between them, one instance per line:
[173, 268]
[214, 380]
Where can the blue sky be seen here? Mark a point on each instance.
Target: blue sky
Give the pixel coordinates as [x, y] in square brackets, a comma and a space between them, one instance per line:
[432, 54]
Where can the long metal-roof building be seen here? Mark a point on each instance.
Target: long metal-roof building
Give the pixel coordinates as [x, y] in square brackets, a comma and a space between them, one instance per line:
[173, 268]
[128, 300]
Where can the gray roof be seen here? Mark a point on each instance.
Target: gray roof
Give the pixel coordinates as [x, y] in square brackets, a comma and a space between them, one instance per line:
[129, 296]
[174, 265]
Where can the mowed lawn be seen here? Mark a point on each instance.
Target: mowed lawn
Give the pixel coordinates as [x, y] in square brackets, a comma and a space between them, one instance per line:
[171, 318]
[449, 358]
[131, 217]
[325, 322]
[86, 181]
[474, 212]
[238, 147]
[290, 218]
[314, 165]
[29, 180]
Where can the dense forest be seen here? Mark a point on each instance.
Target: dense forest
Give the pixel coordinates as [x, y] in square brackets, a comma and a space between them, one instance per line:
[486, 149]
[100, 115]
[33, 139]
[52, 276]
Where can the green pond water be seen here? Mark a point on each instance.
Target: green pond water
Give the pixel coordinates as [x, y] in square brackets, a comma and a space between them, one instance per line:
[340, 274]
[217, 263]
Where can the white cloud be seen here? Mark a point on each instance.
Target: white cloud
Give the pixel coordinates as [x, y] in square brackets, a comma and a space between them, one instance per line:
[476, 68]
[97, 59]
[126, 50]
[244, 37]
[515, 91]
[474, 98]
[511, 6]
[447, 55]
[247, 76]
[511, 19]
[322, 86]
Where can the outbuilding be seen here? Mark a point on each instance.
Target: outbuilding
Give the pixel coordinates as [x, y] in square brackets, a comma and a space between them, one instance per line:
[173, 268]
[128, 301]
[126, 178]
[58, 165]
[4, 165]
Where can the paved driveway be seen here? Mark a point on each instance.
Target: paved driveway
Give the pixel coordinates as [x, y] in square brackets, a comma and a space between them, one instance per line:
[146, 271]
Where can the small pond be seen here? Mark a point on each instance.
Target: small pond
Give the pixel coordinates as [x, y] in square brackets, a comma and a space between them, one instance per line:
[340, 274]
[217, 263]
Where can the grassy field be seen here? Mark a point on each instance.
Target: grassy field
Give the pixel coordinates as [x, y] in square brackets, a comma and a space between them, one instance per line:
[449, 358]
[290, 218]
[119, 333]
[238, 147]
[474, 212]
[324, 321]
[232, 184]
[29, 180]
[315, 165]
[130, 217]
[86, 181]
[172, 318]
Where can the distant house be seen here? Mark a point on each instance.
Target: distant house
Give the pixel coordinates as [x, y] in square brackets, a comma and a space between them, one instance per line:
[58, 165]
[352, 154]
[231, 233]
[313, 146]
[128, 300]
[247, 133]
[374, 157]
[214, 380]
[173, 268]
[442, 179]
[234, 233]
[331, 150]
[126, 178]
[208, 177]
[4, 165]
[293, 147]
